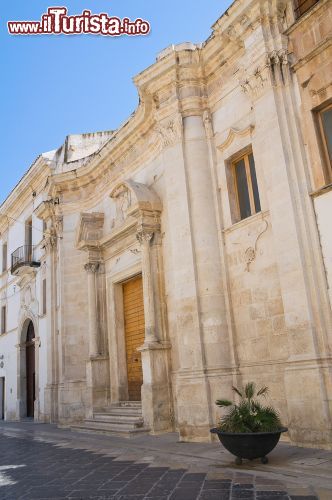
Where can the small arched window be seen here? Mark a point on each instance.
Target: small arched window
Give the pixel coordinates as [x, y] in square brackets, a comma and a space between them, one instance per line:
[30, 332]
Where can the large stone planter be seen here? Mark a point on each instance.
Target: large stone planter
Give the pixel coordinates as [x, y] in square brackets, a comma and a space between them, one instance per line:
[249, 445]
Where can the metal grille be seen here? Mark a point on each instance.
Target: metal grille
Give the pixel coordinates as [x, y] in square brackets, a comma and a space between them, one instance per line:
[23, 256]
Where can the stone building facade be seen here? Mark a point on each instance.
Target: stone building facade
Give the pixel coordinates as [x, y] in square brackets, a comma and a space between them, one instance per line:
[188, 251]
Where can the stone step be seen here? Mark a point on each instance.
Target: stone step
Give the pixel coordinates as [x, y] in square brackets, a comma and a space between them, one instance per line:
[130, 412]
[121, 419]
[108, 429]
[119, 424]
[128, 404]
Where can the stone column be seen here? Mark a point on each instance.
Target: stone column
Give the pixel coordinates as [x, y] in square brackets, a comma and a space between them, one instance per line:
[145, 237]
[156, 392]
[92, 268]
[51, 389]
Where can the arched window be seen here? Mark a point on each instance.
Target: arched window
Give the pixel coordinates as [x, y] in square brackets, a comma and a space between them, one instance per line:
[30, 332]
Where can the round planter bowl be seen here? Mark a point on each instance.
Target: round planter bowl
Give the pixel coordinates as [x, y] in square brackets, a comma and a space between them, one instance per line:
[249, 445]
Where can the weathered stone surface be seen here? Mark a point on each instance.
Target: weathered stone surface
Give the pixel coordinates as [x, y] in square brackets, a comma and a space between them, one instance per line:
[225, 300]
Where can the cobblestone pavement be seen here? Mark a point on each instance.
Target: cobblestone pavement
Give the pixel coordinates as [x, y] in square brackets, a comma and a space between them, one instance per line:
[32, 467]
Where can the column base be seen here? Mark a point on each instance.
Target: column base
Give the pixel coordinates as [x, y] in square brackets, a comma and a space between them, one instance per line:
[156, 389]
[97, 381]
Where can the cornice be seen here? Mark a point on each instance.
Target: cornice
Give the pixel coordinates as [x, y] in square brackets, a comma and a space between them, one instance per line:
[318, 49]
[34, 180]
[175, 85]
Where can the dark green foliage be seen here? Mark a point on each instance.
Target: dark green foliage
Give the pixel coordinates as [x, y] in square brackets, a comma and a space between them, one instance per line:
[249, 415]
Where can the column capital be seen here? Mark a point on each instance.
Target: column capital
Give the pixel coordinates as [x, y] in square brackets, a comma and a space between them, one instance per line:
[91, 267]
[144, 236]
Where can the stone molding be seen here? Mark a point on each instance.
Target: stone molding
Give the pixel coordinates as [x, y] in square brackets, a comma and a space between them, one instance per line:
[89, 230]
[233, 133]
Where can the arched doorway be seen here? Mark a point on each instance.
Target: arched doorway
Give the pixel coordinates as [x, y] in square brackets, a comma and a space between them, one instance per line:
[30, 370]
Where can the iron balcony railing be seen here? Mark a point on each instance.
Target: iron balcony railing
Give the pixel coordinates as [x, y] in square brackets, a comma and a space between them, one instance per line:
[302, 6]
[23, 257]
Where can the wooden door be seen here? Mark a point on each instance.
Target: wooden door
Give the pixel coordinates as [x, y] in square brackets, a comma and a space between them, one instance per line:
[30, 370]
[134, 335]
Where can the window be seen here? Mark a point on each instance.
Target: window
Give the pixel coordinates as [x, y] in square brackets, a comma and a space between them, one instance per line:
[301, 6]
[246, 193]
[28, 232]
[325, 130]
[4, 257]
[3, 319]
[44, 296]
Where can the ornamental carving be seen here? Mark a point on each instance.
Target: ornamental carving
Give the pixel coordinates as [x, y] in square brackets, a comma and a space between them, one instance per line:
[144, 236]
[28, 301]
[92, 267]
[50, 239]
[248, 248]
[271, 72]
[255, 234]
[49, 212]
[122, 198]
[170, 132]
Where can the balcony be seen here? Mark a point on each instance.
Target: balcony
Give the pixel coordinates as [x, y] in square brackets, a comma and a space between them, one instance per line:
[23, 260]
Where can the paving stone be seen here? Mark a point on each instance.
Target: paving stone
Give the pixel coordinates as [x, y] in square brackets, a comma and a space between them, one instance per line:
[214, 495]
[193, 477]
[42, 492]
[62, 472]
[242, 486]
[156, 497]
[185, 494]
[242, 494]
[217, 485]
[274, 498]
[301, 497]
[273, 493]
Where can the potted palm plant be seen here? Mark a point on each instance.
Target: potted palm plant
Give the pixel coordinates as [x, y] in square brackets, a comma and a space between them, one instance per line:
[249, 429]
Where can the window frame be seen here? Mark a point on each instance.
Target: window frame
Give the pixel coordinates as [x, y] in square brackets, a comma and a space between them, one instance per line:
[244, 155]
[4, 263]
[3, 320]
[28, 237]
[44, 296]
[327, 159]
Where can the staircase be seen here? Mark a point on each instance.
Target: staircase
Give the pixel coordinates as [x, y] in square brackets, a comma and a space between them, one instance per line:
[123, 419]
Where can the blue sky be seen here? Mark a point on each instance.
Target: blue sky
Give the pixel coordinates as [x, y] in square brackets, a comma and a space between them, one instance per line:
[52, 86]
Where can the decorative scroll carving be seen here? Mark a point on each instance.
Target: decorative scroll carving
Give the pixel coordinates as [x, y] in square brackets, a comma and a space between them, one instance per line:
[250, 253]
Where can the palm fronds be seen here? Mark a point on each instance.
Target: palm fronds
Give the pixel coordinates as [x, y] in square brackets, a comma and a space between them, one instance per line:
[223, 402]
[249, 415]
